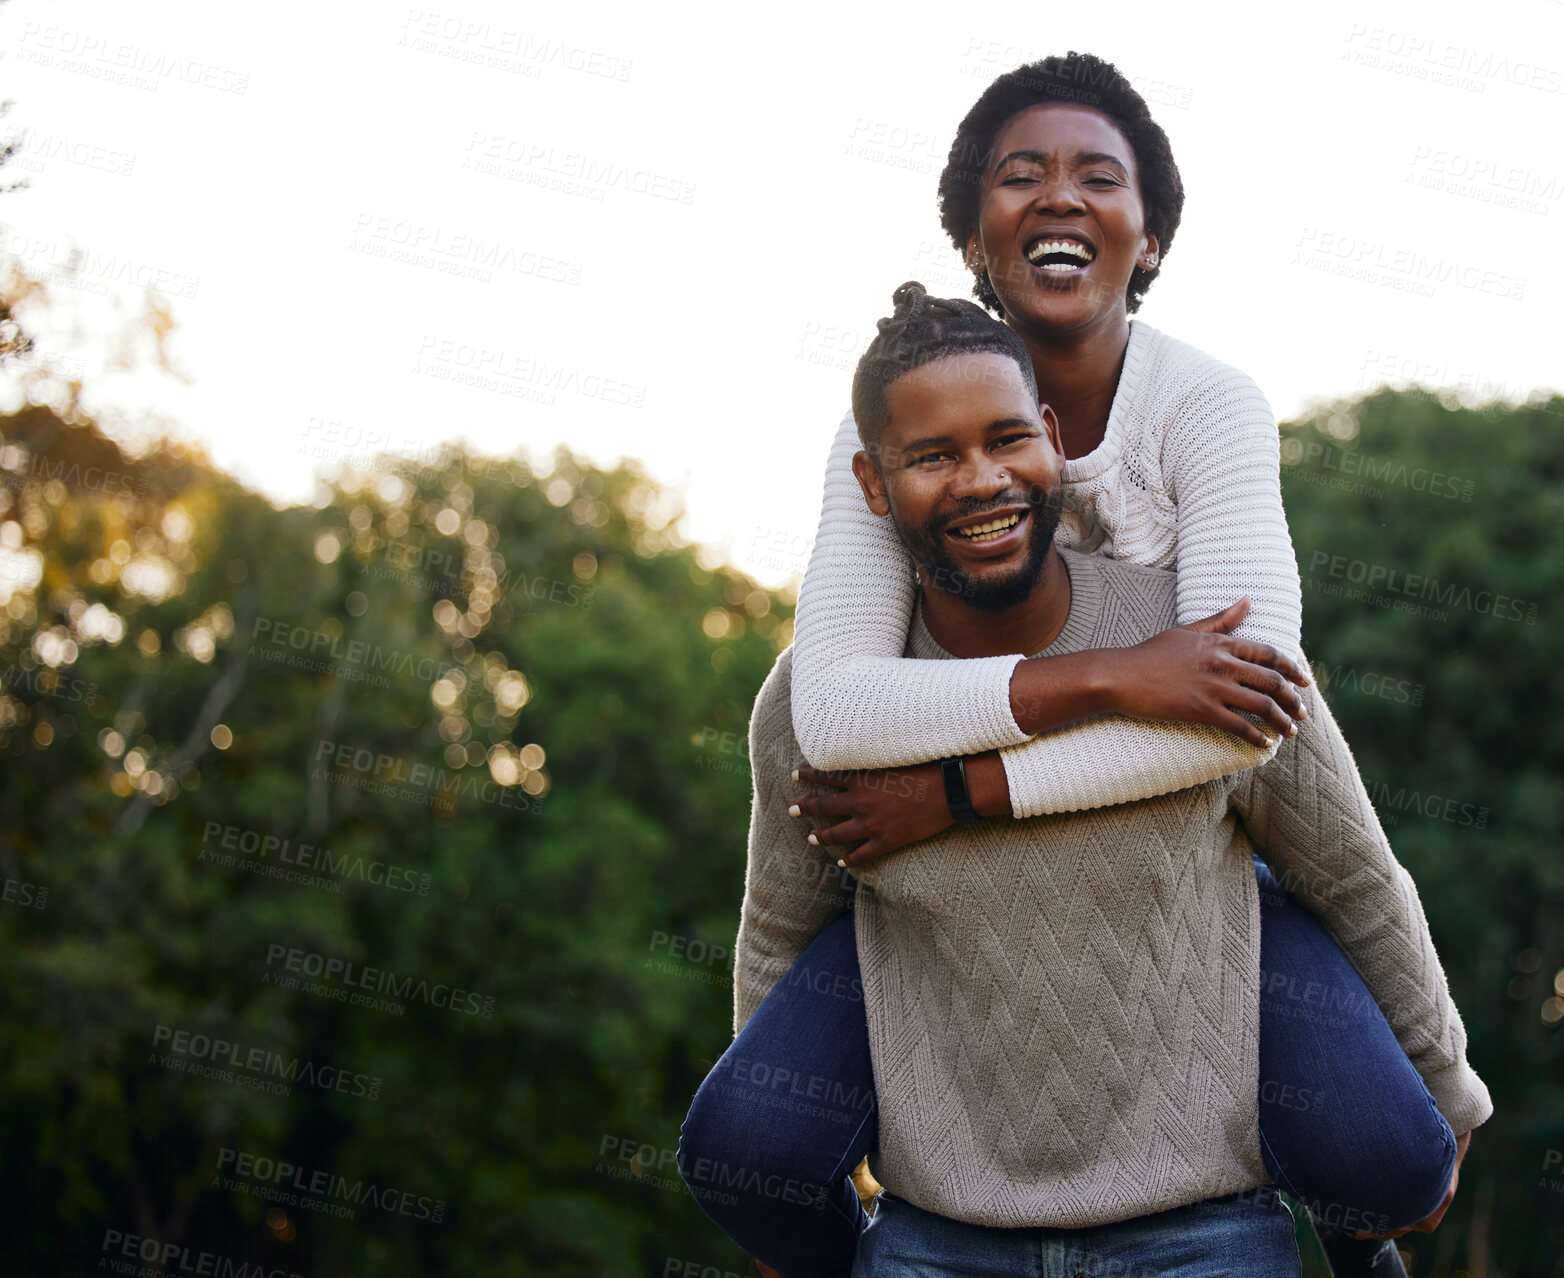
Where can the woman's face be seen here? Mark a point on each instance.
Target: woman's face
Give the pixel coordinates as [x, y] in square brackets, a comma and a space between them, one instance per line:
[1061, 225]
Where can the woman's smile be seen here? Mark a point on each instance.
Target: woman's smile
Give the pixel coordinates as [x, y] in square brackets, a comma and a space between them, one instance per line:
[1060, 254]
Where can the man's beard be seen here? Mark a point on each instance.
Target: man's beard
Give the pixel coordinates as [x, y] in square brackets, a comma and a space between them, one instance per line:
[991, 593]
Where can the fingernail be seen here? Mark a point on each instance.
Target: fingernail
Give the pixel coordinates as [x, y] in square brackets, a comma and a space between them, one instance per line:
[814, 841]
[1292, 729]
[795, 777]
[794, 811]
[842, 864]
[1303, 712]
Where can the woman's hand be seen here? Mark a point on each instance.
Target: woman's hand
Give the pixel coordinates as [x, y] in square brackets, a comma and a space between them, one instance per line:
[880, 810]
[1201, 673]
[1430, 1222]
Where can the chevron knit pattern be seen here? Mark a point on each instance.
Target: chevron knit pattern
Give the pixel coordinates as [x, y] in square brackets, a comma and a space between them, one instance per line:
[1186, 477]
[1063, 1011]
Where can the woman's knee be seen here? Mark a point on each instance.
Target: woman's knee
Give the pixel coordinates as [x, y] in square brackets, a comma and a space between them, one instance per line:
[712, 1132]
[1413, 1168]
[1395, 1173]
[732, 1136]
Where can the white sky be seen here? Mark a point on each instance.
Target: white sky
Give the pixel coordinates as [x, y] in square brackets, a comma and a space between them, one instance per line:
[759, 182]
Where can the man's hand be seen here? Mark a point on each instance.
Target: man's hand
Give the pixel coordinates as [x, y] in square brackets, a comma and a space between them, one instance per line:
[1201, 673]
[1430, 1222]
[881, 810]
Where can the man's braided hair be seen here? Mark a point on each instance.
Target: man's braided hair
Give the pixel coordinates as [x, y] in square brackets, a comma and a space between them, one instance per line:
[922, 330]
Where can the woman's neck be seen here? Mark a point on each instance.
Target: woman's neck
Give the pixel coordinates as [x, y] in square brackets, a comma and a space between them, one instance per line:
[1078, 375]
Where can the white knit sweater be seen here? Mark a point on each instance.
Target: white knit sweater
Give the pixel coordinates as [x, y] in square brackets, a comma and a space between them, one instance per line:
[1186, 477]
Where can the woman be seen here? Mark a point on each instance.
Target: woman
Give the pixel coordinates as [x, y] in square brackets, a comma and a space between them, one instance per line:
[1064, 204]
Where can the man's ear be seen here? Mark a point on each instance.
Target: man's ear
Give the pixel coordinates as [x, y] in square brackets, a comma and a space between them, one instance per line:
[872, 482]
[1051, 425]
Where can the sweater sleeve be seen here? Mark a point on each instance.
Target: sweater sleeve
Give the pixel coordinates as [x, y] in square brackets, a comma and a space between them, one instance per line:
[1119, 760]
[1221, 457]
[791, 890]
[857, 703]
[1310, 817]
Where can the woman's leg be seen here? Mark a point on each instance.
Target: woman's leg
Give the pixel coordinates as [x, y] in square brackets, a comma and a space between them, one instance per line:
[778, 1125]
[1346, 1125]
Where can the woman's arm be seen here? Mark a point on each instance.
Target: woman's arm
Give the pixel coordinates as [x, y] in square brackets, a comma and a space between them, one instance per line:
[1222, 462]
[857, 703]
[1221, 458]
[883, 811]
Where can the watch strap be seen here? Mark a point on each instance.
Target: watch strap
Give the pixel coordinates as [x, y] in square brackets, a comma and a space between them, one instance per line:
[957, 796]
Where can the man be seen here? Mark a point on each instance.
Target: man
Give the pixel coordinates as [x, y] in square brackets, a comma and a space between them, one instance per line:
[1063, 1011]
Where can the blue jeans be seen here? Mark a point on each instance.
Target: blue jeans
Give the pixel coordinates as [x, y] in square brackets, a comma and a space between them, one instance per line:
[780, 1122]
[1249, 1235]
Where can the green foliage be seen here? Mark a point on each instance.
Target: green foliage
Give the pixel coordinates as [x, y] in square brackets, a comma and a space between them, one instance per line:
[1431, 585]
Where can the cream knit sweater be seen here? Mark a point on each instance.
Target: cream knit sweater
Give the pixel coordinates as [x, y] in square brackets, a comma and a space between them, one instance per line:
[1186, 477]
[1064, 1011]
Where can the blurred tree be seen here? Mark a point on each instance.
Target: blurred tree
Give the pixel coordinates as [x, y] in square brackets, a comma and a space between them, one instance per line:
[1431, 579]
[547, 674]
[14, 341]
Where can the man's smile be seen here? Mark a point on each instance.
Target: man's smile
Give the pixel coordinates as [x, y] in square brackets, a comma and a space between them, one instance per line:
[993, 533]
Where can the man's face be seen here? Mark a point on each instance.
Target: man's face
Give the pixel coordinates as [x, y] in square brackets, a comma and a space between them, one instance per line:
[969, 469]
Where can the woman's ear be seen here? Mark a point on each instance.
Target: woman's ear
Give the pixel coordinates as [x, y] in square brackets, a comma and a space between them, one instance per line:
[1150, 254]
[974, 254]
[872, 482]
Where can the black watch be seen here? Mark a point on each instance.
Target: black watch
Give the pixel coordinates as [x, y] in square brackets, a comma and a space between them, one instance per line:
[957, 795]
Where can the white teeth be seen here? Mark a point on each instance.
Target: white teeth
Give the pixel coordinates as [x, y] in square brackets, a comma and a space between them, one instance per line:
[989, 531]
[1044, 247]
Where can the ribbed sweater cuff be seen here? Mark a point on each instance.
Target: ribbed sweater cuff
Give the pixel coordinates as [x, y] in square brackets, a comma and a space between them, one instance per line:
[1101, 764]
[1030, 773]
[1462, 1097]
[986, 698]
[938, 709]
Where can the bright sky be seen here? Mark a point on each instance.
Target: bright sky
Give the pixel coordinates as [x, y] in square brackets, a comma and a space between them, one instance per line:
[666, 232]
